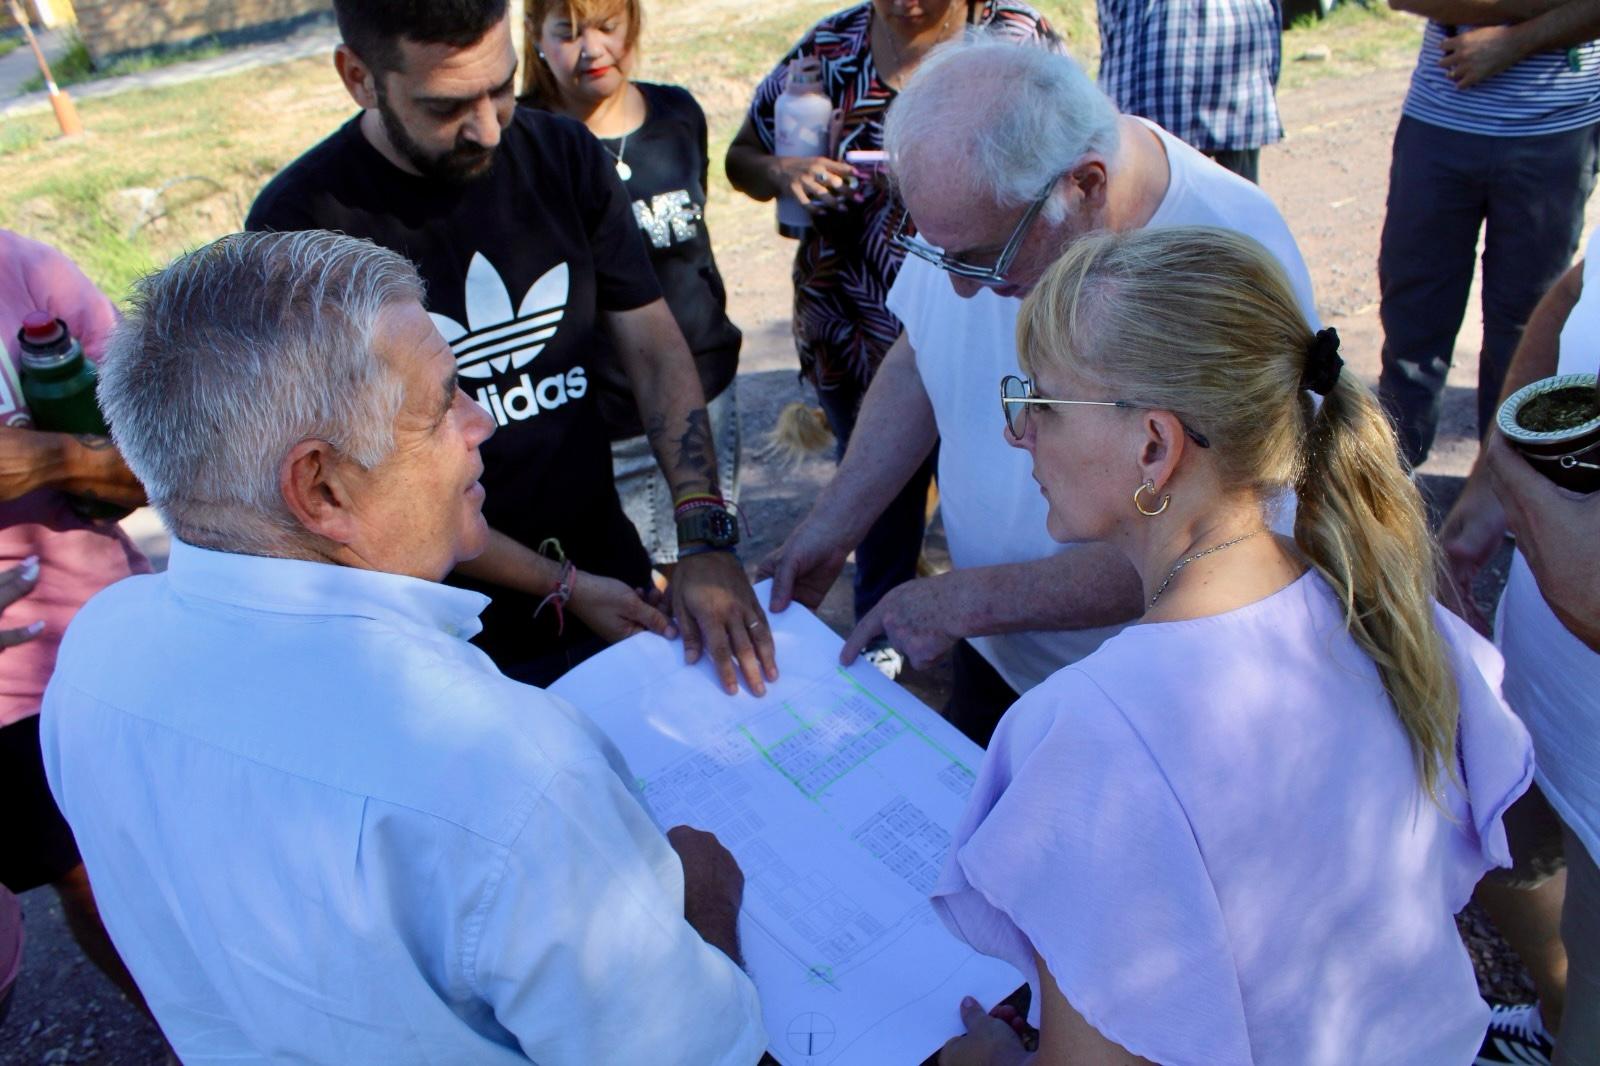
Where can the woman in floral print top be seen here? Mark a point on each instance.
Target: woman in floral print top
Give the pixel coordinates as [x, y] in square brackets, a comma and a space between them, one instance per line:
[845, 265]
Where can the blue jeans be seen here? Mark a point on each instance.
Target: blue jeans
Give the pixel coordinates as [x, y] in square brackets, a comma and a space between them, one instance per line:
[887, 556]
[1444, 186]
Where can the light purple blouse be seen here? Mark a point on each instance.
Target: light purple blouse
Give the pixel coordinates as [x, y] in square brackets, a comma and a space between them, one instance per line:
[1212, 833]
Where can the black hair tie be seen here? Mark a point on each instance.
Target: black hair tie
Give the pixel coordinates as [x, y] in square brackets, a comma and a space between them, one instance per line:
[1323, 363]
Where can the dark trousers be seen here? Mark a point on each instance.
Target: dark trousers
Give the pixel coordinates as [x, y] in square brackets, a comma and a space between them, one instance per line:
[888, 555]
[979, 696]
[1245, 162]
[1528, 194]
[36, 844]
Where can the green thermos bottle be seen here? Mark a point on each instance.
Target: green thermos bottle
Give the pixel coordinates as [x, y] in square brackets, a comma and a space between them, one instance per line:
[58, 384]
[57, 381]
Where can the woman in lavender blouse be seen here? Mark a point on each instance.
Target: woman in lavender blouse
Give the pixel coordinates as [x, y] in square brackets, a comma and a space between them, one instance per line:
[1238, 832]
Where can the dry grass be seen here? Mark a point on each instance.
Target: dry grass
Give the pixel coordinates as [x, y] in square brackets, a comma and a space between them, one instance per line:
[1356, 38]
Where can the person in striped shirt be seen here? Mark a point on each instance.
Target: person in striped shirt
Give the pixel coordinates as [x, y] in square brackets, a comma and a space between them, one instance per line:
[1500, 126]
[1500, 131]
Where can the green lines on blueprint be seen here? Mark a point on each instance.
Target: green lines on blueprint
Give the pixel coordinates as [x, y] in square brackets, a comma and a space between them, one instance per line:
[792, 713]
[817, 754]
[766, 753]
[926, 739]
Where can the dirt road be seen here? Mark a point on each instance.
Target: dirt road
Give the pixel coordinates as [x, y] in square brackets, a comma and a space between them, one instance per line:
[1330, 178]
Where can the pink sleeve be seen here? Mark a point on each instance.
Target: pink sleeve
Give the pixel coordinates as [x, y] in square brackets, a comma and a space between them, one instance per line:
[1075, 846]
[36, 277]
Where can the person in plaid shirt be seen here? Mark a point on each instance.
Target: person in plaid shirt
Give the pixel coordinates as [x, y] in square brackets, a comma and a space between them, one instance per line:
[1203, 70]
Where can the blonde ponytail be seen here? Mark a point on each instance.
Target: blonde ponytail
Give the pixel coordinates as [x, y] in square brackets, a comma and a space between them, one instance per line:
[1363, 526]
[1203, 322]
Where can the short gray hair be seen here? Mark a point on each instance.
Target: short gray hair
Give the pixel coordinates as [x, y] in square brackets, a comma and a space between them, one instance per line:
[235, 353]
[1015, 114]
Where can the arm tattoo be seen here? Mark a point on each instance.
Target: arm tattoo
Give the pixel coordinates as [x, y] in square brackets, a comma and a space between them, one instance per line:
[695, 455]
[693, 460]
[94, 441]
[655, 431]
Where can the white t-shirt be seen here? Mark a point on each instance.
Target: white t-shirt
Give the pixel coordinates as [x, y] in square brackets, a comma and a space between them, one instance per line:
[1551, 675]
[993, 511]
[322, 827]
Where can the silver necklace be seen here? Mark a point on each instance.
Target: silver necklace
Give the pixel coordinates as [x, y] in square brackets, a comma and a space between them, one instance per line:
[624, 171]
[1198, 555]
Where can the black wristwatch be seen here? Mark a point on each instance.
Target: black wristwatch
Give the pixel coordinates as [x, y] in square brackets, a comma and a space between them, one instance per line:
[713, 527]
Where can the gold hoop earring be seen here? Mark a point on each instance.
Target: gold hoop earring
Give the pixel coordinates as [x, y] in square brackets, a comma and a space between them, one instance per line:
[1150, 487]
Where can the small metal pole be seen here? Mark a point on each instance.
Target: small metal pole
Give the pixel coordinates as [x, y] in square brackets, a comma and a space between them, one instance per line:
[66, 112]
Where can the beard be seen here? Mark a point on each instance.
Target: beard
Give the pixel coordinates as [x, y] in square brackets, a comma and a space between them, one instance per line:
[456, 166]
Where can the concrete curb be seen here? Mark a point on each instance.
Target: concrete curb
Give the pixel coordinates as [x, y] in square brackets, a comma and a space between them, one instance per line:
[319, 42]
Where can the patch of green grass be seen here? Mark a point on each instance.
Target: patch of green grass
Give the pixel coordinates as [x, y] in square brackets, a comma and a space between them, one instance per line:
[1075, 21]
[84, 228]
[203, 146]
[75, 65]
[18, 135]
[1356, 36]
[9, 43]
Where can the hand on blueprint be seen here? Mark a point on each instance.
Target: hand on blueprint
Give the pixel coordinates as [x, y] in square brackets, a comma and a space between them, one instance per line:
[805, 566]
[717, 612]
[992, 1039]
[713, 888]
[615, 611]
[921, 618]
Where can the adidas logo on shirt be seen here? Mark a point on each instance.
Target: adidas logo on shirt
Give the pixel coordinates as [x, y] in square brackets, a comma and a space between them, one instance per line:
[498, 340]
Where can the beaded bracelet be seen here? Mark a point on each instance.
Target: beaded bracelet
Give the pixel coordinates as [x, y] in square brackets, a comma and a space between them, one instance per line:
[695, 501]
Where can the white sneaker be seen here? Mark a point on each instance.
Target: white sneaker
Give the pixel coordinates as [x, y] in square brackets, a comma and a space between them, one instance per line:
[1516, 1035]
[881, 655]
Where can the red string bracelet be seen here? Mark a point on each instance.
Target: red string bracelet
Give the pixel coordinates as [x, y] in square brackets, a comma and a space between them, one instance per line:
[694, 500]
[699, 500]
[558, 599]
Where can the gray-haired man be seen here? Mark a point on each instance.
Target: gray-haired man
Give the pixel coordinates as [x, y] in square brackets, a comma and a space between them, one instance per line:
[321, 825]
[1045, 158]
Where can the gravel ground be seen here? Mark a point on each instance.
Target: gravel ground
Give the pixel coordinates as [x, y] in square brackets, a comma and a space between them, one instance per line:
[1330, 178]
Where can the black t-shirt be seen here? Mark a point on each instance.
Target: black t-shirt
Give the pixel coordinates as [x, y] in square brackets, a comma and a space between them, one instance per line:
[518, 264]
[668, 159]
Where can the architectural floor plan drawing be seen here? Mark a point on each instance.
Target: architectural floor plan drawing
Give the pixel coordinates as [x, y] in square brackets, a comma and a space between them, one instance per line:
[837, 793]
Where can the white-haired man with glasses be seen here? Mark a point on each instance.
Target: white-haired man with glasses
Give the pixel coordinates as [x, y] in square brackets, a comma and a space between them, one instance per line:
[321, 825]
[1044, 158]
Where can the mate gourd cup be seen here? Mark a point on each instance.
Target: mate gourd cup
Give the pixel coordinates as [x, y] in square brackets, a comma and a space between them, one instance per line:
[1555, 424]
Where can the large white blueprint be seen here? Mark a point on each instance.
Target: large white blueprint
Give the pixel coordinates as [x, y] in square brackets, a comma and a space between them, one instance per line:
[837, 792]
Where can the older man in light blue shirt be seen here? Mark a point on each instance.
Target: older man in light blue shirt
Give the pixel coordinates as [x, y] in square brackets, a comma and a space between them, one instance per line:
[321, 825]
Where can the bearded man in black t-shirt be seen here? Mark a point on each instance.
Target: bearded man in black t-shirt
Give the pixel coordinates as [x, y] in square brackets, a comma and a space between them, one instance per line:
[536, 275]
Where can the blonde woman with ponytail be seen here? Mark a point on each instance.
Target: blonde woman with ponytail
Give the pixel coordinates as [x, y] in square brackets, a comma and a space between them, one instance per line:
[1238, 832]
